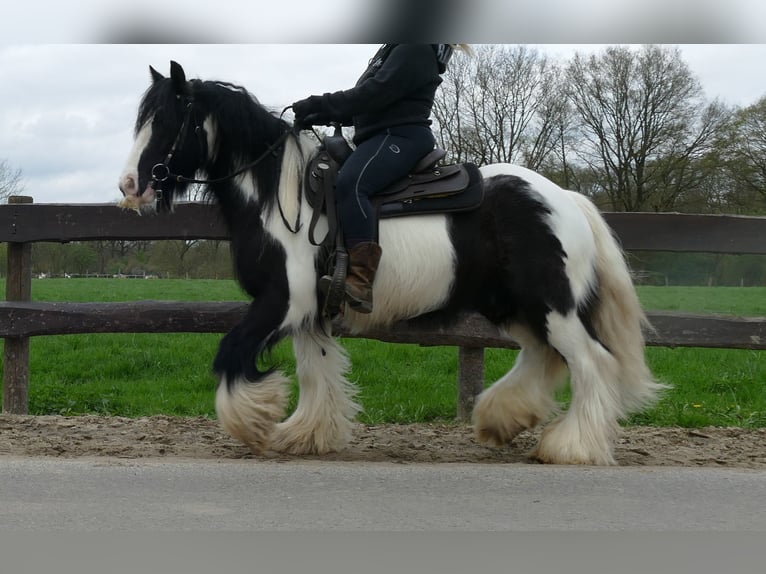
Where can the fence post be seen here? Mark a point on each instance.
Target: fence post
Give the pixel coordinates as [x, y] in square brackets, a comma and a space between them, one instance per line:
[470, 380]
[18, 287]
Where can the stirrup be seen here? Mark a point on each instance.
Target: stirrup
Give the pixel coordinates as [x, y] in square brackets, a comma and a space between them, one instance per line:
[358, 305]
[334, 288]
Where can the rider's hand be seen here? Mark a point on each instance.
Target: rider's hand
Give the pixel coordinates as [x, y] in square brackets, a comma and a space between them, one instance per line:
[311, 120]
[307, 109]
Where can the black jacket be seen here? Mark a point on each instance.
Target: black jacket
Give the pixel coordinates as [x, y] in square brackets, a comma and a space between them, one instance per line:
[397, 88]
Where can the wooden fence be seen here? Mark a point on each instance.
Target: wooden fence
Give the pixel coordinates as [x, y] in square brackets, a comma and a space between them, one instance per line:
[22, 223]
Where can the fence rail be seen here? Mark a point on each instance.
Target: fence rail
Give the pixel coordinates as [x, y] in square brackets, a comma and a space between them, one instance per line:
[22, 223]
[28, 222]
[32, 319]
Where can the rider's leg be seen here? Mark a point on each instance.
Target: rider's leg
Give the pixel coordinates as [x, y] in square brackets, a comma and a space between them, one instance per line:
[375, 164]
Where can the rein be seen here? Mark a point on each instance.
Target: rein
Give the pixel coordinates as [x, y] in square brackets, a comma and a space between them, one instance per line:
[183, 179]
[161, 171]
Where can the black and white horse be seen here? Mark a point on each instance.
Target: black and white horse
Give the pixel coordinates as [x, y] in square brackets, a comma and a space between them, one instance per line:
[536, 260]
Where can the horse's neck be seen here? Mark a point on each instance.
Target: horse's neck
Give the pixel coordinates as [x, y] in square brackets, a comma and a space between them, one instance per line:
[296, 154]
[290, 181]
[294, 158]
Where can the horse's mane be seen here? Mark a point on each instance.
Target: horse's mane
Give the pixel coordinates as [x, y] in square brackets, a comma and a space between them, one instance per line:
[245, 128]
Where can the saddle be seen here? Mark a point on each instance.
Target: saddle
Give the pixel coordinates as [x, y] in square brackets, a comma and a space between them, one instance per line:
[430, 188]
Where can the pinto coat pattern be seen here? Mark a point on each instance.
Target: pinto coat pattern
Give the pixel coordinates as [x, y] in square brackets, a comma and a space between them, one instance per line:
[536, 260]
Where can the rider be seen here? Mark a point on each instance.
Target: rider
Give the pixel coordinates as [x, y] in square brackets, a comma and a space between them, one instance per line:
[389, 107]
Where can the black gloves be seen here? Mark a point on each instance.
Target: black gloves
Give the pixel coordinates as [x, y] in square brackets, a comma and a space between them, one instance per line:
[309, 112]
[311, 105]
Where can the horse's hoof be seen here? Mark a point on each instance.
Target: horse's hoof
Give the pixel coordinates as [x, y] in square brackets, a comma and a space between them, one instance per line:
[570, 459]
[562, 443]
[249, 411]
[498, 436]
[290, 438]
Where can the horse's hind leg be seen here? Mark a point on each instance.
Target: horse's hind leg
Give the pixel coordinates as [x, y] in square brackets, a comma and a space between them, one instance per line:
[523, 397]
[585, 433]
[323, 419]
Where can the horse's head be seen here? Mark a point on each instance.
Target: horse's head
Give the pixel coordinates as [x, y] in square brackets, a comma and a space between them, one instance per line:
[170, 142]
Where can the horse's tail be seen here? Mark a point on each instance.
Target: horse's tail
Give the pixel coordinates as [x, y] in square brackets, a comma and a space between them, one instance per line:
[618, 318]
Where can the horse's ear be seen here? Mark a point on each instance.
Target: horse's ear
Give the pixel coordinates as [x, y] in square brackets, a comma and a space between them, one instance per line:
[178, 76]
[156, 76]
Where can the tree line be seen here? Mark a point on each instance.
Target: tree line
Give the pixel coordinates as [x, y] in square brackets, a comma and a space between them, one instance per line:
[630, 128]
[211, 260]
[192, 259]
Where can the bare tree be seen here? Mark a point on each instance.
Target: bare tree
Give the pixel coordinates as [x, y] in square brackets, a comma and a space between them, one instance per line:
[551, 137]
[499, 106]
[10, 181]
[644, 127]
[448, 108]
[744, 154]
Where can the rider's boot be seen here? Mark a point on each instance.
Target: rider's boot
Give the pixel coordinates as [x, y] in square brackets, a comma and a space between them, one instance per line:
[362, 266]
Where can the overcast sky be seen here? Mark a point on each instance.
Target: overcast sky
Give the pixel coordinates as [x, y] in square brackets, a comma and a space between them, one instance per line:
[67, 110]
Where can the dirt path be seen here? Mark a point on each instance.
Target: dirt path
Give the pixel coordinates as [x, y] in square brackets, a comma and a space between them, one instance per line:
[160, 436]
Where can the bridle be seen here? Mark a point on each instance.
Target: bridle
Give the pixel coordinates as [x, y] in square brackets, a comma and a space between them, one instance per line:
[161, 171]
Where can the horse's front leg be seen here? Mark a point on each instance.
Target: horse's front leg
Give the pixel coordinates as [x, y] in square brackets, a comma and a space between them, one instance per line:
[249, 402]
[324, 417]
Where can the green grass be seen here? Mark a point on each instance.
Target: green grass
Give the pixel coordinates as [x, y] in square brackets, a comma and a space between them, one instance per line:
[744, 301]
[720, 387]
[98, 290]
[125, 374]
[144, 374]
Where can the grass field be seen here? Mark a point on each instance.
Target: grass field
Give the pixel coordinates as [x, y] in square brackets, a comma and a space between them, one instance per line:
[145, 374]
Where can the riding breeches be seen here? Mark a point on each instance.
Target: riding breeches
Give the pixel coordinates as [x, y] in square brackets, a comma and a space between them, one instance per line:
[375, 164]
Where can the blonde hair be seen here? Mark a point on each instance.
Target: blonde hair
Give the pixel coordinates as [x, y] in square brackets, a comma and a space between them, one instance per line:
[465, 48]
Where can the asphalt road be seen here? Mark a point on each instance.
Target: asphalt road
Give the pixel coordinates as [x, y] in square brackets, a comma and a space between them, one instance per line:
[115, 495]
